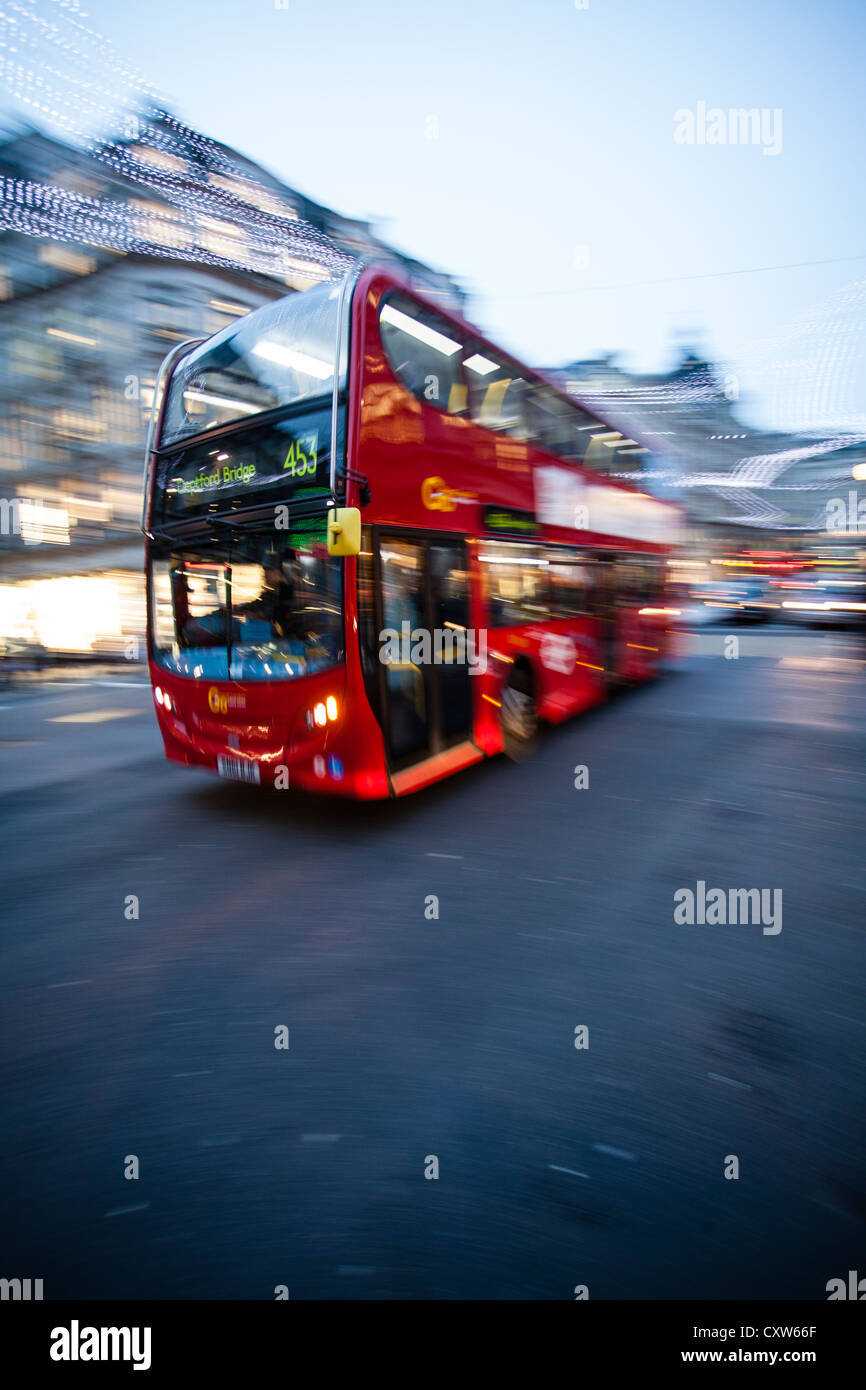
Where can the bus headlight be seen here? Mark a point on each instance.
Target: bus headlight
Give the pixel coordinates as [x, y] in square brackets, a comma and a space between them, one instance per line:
[331, 708]
[320, 716]
[157, 694]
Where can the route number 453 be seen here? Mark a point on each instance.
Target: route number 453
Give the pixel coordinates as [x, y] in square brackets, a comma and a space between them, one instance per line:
[301, 458]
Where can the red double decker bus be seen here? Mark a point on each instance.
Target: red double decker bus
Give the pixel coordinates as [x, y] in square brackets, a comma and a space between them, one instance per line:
[379, 549]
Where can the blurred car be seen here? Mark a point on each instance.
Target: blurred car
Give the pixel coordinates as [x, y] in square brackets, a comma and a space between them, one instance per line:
[824, 600]
[747, 600]
[751, 600]
[16, 657]
[709, 602]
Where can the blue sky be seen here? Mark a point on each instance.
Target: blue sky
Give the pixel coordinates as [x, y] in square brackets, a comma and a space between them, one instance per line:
[555, 133]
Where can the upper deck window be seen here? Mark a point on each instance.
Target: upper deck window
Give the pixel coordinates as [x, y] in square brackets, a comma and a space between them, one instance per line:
[498, 395]
[555, 424]
[454, 372]
[424, 353]
[276, 356]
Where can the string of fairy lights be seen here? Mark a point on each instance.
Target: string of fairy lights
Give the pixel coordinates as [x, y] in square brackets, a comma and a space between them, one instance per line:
[740, 481]
[188, 219]
[202, 204]
[53, 63]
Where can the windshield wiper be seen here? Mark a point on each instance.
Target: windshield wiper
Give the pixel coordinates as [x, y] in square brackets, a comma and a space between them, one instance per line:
[195, 529]
[220, 521]
[260, 520]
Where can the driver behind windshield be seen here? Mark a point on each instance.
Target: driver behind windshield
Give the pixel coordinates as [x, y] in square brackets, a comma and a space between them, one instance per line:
[278, 602]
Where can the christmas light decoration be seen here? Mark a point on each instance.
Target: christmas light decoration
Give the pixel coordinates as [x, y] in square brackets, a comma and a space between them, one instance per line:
[172, 193]
[71, 76]
[207, 207]
[739, 484]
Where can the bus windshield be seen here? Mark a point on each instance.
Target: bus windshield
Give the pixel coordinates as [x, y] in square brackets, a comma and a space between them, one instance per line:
[249, 607]
[278, 356]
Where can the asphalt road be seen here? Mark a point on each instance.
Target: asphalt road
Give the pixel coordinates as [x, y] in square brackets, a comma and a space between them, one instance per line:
[454, 1037]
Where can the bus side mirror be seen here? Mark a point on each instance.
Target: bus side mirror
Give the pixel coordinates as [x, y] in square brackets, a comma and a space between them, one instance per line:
[344, 531]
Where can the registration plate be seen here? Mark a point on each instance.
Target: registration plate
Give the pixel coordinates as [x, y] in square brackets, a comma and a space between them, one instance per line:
[238, 769]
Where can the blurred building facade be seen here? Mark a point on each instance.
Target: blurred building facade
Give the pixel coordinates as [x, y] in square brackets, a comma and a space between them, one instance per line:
[108, 257]
[734, 480]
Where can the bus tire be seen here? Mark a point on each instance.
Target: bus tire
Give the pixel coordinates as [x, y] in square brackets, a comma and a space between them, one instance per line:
[519, 715]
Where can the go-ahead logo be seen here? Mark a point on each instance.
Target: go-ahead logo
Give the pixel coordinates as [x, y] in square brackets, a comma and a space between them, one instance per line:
[437, 496]
[221, 704]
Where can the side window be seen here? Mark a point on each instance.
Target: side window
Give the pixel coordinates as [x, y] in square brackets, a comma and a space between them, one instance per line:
[515, 579]
[423, 353]
[570, 583]
[659, 578]
[624, 580]
[638, 579]
[551, 422]
[582, 428]
[651, 578]
[560, 426]
[498, 395]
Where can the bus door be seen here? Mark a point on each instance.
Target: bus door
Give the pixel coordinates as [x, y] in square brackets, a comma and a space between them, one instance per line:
[424, 595]
[448, 579]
